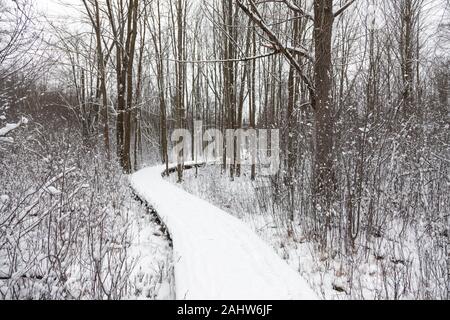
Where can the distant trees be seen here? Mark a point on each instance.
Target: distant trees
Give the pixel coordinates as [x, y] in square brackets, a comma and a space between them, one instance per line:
[156, 31]
[94, 16]
[115, 25]
[16, 40]
[123, 24]
[179, 29]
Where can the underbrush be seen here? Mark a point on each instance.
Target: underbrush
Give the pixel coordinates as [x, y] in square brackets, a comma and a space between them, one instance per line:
[69, 226]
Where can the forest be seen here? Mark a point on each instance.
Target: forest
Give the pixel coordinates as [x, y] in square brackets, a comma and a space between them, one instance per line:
[93, 92]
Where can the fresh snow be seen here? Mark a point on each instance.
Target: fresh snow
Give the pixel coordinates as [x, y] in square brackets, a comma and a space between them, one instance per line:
[216, 256]
[150, 252]
[6, 140]
[52, 191]
[8, 128]
[12, 126]
[4, 199]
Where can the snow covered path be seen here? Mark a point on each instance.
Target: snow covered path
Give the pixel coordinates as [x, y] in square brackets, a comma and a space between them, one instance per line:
[216, 256]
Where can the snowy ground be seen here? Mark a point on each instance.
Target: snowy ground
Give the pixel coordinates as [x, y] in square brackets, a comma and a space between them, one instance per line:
[390, 270]
[216, 256]
[208, 184]
[151, 253]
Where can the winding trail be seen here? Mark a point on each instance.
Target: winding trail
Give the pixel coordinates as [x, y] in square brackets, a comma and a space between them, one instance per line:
[216, 256]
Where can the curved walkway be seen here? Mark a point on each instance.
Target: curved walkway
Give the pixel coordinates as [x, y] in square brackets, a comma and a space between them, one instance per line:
[217, 257]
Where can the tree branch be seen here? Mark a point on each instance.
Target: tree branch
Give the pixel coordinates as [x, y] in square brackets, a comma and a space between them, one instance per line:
[244, 59]
[292, 6]
[343, 8]
[256, 17]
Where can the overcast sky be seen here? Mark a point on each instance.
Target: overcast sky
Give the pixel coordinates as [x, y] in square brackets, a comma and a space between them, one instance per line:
[436, 12]
[435, 9]
[58, 8]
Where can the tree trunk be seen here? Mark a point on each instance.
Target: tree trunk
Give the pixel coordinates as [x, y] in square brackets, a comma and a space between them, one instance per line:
[323, 27]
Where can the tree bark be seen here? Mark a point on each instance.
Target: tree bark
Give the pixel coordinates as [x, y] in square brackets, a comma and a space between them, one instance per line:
[323, 27]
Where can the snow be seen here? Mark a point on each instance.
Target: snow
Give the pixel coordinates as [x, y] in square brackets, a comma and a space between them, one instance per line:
[12, 126]
[52, 191]
[6, 140]
[216, 256]
[8, 128]
[364, 130]
[4, 199]
[388, 267]
[150, 252]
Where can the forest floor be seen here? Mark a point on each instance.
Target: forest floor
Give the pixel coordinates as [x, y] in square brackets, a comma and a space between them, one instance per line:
[389, 270]
[151, 256]
[216, 256]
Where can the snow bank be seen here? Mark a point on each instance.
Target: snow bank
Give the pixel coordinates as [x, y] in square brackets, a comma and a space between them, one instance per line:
[217, 256]
[10, 127]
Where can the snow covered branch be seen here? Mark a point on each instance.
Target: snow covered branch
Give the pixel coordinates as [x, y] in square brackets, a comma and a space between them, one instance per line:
[252, 12]
[243, 59]
[343, 8]
[301, 51]
[9, 128]
[294, 7]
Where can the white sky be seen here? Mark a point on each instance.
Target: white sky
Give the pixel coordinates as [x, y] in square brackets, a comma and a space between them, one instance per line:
[436, 11]
[58, 8]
